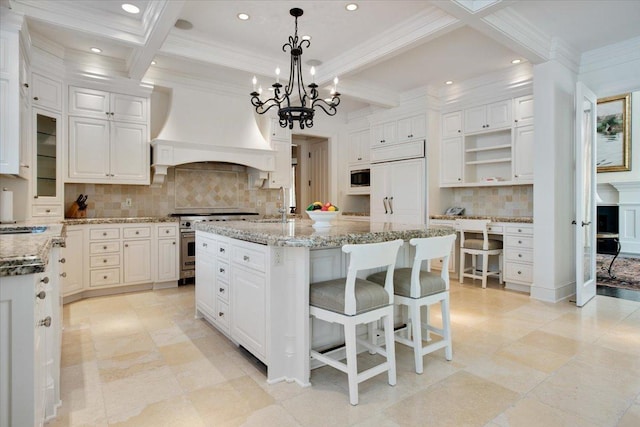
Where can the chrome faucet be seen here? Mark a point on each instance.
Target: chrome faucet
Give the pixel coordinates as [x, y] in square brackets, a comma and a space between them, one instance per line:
[283, 209]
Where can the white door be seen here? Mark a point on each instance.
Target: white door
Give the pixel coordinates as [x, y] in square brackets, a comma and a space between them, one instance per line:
[585, 149]
[407, 191]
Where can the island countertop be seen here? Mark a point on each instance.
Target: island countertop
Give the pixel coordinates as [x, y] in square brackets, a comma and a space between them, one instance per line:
[28, 253]
[512, 219]
[300, 232]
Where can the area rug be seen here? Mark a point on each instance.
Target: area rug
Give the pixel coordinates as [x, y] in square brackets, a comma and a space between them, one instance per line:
[625, 270]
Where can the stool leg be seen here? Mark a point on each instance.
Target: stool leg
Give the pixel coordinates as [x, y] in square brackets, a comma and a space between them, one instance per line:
[417, 336]
[390, 347]
[372, 335]
[485, 268]
[474, 265]
[352, 362]
[446, 326]
[462, 258]
[500, 266]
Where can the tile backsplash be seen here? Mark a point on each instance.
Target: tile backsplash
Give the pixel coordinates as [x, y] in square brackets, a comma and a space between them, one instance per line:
[515, 200]
[197, 187]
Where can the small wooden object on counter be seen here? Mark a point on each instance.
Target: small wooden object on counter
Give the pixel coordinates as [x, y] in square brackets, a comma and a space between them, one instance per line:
[74, 211]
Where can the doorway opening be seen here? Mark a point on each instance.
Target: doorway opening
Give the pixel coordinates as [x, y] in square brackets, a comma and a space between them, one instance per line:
[309, 169]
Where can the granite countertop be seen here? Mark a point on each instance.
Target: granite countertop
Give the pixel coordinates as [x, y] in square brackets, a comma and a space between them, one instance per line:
[93, 221]
[518, 219]
[28, 253]
[300, 233]
[365, 214]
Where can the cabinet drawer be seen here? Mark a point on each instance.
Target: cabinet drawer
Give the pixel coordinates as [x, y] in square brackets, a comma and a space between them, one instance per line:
[222, 271]
[224, 248]
[47, 211]
[105, 260]
[104, 247]
[134, 232]
[518, 242]
[104, 234]
[222, 291]
[222, 314]
[167, 231]
[103, 277]
[206, 245]
[527, 230]
[518, 272]
[495, 229]
[249, 257]
[518, 255]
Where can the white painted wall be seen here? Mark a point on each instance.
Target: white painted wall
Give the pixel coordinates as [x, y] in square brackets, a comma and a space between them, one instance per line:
[553, 210]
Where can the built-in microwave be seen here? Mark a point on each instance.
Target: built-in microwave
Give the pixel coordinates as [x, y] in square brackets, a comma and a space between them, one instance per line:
[360, 178]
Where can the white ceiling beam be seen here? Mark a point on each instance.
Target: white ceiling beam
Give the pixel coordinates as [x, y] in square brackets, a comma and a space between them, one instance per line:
[161, 19]
[374, 95]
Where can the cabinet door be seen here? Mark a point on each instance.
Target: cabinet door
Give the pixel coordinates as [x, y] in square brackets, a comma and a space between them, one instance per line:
[46, 92]
[452, 124]
[26, 151]
[167, 260]
[278, 132]
[137, 261]
[475, 119]
[248, 310]
[523, 110]
[359, 147]
[88, 102]
[411, 128]
[128, 108]
[407, 191]
[451, 161]
[129, 153]
[73, 255]
[88, 149]
[378, 206]
[9, 100]
[281, 177]
[47, 157]
[383, 133]
[499, 114]
[523, 154]
[206, 280]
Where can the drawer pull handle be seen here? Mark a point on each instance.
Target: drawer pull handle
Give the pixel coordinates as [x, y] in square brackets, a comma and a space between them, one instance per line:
[167, 231]
[519, 255]
[519, 272]
[126, 246]
[48, 211]
[104, 247]
[173, 243]
[221, 290]
[45, 280]
[137, 232]
[104, 260]
[41, 295]
[63, 274]
[220, 314]
[204, 245]
[104, 234]
[62, 260]
[222, 270]
[104, 277]
[35, 98]
[246, 258]
[519, 242]
[519, 230]
[46, 322]
[222, 250]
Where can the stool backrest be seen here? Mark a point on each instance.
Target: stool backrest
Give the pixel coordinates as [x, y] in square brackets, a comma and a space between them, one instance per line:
[430, 248]
[474, 226]
[366, 256]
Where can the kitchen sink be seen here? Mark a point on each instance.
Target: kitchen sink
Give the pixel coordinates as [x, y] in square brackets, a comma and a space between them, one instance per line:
[23, 230]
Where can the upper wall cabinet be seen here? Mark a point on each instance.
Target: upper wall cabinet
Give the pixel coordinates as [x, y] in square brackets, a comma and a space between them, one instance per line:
[108, 137]
[278, 132]
[359, 147]
[489, 117]
[9, 102]
[452, 124]
[100, 105]
[383, 134]
[401, 130]
[47, 150]
[523, 111]
[410, 128]
[46, 92]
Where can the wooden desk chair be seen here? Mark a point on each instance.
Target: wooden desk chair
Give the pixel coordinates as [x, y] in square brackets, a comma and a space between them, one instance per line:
[474, 247]
[352, 301]
[417, 288]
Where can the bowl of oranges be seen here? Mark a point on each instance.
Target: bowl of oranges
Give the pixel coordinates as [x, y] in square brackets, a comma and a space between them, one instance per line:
[322, 214]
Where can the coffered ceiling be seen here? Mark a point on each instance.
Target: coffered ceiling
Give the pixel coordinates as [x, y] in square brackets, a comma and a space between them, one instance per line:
[379, 51]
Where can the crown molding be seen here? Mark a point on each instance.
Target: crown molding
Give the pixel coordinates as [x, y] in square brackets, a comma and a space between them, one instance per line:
[368, 93]
[47, 45]
[610, 56]
[565, 54]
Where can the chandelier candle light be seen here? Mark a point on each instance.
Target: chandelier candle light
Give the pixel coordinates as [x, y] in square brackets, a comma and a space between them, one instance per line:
[288, 114]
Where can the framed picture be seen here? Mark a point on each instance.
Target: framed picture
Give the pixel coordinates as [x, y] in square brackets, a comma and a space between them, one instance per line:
[614, 133]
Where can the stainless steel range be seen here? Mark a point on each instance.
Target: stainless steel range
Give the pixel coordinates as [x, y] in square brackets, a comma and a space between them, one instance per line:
[188, 237]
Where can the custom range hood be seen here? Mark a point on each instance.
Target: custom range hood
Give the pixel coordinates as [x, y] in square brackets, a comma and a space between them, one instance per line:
[198, 126]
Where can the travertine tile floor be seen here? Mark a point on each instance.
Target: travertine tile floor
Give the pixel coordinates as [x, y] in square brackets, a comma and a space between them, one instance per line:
[143, 360]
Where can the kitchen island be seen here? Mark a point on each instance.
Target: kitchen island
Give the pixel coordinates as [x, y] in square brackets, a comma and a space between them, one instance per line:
[252, 282]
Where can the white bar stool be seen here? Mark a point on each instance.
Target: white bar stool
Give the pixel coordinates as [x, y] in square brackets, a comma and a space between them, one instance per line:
[474, 247]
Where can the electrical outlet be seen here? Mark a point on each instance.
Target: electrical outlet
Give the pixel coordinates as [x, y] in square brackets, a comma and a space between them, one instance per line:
[258, 203]
[127, 202]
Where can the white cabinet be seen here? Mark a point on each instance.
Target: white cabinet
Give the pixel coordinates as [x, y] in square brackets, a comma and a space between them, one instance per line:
[488, 117]
[46, 179]
[73, 266]
[523, 154]
[523, 111]
[398, 192]
[9, 101]
[451, 161]
[383, 134]
[136, 261]
[359, 147]
[168, 254]
[278, 132]
[108, 138]
[205, 275]
[249, 297]
[102, 151]
[281, 176]
[452, 124]
[410, 128]
[518, 256]
[46, 92]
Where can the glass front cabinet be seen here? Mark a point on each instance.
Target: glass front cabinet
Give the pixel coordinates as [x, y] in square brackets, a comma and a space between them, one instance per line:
[47, 152]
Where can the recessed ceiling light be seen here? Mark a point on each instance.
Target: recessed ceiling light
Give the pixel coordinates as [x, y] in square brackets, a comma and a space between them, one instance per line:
[516, 61]
[130, 8]
[96, 50]
[306, 37]
[183, 24]
[449, 82]
[153, 62]
[351, 7]
[243, 16]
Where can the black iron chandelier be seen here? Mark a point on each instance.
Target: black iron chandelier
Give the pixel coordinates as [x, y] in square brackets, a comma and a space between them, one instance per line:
[308, 100]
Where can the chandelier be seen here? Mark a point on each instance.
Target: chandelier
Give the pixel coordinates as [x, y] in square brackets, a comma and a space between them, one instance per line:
[308, 100]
